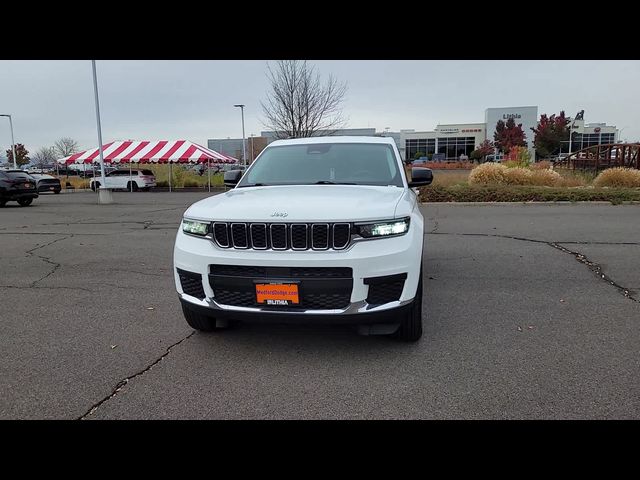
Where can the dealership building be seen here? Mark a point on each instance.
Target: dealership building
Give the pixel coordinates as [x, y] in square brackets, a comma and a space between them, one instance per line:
[456, 139]
[453, 140]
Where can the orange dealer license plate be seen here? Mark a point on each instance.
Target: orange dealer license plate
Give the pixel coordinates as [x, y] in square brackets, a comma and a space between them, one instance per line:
[277, 294]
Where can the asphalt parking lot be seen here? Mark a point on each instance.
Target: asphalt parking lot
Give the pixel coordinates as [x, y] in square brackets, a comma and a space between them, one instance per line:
[531, 312]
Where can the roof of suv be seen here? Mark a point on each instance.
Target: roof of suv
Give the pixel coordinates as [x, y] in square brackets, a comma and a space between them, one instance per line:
[336, 139]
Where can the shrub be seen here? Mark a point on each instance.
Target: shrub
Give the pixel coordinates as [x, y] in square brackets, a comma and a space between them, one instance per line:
[517, 176]
[618, 177]
[541, 165]
[487, 173]
[547, 178]
[190, 184]
[512, 164]
[519, 155]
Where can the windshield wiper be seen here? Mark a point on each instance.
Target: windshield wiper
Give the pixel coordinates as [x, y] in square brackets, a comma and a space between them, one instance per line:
[255, 185]
[329, 182]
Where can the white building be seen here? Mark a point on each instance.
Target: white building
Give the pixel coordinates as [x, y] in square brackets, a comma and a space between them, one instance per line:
[452, 140]
[527, 116]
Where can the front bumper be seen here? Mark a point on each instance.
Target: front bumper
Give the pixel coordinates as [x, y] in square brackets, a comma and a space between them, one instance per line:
[355, 314]
[367, 259]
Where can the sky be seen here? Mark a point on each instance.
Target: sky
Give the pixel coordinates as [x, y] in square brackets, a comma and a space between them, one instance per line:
[193, 100]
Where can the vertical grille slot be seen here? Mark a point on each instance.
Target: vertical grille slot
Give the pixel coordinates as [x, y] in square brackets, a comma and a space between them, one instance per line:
[299, 236]
[320, 236]
[341, 235]
[239, 235]
[258, 235]
[221, 234]
[278, 233]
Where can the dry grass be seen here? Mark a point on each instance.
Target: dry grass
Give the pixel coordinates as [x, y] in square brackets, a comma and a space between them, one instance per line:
[487, 174]
[541, 165]
[517, 176]
[574, 178]
[544, 177]
[618, 177]
[450, 178]
[76, 182]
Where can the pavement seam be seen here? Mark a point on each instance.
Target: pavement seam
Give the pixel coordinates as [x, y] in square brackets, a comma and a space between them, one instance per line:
[122, 383]
[594, 267]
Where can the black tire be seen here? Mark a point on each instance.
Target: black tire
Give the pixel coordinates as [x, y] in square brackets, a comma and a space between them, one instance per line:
[25, 202]
[2, 203]
[95, 185]
[198, 321]
[56, 192]
[410, 329]
[132, 186]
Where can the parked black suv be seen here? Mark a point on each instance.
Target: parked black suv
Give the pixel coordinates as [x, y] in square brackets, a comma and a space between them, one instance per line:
[17, 186]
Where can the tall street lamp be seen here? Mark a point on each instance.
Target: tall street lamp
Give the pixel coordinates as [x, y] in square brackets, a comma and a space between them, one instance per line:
[244, 149]
[13, 143]
[620, 133]
[104, 194]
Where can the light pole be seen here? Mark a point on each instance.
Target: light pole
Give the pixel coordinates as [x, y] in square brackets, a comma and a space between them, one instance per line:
[104, 194]
[13, 143]
[244, 149]
[252, 157]
[620, 133]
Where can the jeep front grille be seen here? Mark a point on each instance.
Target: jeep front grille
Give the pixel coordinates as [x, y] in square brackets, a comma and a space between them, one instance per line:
[282, 236]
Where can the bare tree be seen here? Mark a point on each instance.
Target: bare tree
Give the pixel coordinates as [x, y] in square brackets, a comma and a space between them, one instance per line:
[299, 104]
[44, 156]
[65, 146]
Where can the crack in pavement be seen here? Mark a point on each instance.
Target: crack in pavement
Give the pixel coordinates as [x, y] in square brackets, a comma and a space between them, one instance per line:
[593, 266]
[122, 383]
[52, 288]
[56, 265]
[596, 269]
[142, 273]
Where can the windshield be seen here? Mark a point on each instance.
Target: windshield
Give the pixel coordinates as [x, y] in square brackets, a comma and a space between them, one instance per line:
[325, 163]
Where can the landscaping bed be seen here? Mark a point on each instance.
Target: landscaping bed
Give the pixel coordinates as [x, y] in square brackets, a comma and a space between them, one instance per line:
[517, 193]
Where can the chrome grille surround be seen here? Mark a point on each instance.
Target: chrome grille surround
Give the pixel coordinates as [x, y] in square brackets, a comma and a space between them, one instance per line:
[282, 236]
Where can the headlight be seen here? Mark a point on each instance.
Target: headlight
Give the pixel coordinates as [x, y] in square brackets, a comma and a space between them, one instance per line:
[195, 227]
[383, 229]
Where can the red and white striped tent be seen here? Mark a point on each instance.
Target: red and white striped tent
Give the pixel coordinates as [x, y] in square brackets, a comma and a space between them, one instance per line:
[162, 151]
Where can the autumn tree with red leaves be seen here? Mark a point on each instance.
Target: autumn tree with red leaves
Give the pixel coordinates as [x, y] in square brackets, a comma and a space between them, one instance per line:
[22, 155]
[549, 134]
[509, 135]
[482, 150]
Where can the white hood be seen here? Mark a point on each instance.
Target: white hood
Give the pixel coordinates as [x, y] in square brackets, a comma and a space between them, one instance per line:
[300, 203]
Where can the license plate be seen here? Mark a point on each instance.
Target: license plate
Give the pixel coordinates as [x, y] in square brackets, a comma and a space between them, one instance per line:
[282, 294]
[51, 188]
[27, 185]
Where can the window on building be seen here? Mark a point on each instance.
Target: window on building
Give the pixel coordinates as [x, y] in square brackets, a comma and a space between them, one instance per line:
[453, 147]
[415, 145]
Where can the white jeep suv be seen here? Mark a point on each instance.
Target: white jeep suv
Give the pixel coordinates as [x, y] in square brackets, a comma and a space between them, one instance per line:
[133, 180]
[320, 229]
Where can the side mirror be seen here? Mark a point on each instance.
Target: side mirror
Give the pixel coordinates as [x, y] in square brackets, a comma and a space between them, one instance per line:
[420, 176]
[232, 177]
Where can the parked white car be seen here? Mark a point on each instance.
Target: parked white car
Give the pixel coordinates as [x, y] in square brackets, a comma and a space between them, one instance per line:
[130, 180]
[322, 229]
